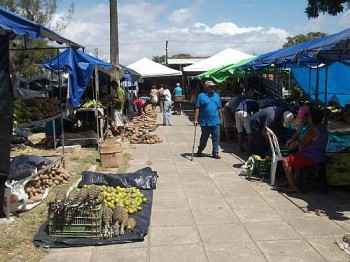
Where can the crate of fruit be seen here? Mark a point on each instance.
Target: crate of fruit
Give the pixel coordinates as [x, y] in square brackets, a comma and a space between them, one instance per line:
[262, 166]
[76, 222]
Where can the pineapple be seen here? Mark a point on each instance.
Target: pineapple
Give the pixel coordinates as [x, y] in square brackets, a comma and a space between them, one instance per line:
[72, 199]
[131, 224]
[107, 216]
[93, 194]
[83, 197]
[60, 199]
[117, 218]
[100, 198]
[124, 222]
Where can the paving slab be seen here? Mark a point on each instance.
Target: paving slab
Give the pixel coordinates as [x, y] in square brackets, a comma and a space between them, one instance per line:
[213, 217]
[172, 218]
[187, 253]
[118, 253]
[223, 233]
[238, 252]
[289, 250]
[169, 236]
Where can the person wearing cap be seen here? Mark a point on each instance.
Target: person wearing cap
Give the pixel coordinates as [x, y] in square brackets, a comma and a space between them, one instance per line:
[118, 106]
[244, 111]
[177, 92]
[312, 149]
[272, 117]
[302, 128]
[208, 115]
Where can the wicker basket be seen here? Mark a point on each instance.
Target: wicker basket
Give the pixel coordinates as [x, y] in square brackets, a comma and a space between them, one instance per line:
[82, 223]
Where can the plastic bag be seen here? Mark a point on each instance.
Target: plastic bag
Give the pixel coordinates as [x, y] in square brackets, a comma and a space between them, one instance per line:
[144, 178]
[248, 167]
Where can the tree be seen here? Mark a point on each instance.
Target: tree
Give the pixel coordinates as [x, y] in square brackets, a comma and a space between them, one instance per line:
[39, 11]
[181, 56]
[159, 59]
[302, 38]
[332, 7]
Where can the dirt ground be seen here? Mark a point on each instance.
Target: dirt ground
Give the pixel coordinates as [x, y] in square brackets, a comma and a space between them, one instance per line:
[16, 240]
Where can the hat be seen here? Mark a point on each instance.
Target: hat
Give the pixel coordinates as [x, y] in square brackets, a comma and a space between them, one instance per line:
[209, 83]
[287, 119]
[178, 84]
[302, 112]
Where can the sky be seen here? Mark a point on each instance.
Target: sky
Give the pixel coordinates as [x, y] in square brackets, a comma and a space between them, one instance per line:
[195, 27]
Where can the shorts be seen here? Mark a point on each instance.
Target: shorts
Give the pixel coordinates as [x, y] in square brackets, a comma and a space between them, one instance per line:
[118, 117]
[242, 121]
[298, 161]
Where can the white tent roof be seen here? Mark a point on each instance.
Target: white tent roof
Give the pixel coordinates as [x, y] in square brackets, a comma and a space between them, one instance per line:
[226, 57]
[148, 68]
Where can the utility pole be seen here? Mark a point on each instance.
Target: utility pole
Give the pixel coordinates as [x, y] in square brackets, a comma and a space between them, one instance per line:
[166, 52]
[114, 44]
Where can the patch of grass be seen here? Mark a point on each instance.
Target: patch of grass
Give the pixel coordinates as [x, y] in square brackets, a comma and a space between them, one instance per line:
[126, 160]
[16, 240]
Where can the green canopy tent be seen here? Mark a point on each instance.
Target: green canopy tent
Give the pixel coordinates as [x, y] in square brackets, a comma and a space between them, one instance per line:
[221, 74]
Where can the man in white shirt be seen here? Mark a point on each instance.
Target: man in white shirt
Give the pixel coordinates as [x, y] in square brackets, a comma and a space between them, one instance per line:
[167, 107]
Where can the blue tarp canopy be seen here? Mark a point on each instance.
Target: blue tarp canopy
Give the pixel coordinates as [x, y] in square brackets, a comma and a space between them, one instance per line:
[333, 47]
[14, 24]
[337, 85]
[80, 67]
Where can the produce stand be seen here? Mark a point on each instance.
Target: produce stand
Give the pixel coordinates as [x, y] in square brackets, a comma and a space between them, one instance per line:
[144, 179]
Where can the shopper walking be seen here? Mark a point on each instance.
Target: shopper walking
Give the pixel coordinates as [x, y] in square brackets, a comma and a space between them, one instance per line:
[208, 112]
[167, 107]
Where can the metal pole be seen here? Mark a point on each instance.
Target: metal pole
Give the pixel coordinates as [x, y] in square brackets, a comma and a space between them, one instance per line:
[114, 44]
[166, 52]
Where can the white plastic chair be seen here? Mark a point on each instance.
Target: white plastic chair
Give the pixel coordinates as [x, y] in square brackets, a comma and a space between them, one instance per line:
[276, 154]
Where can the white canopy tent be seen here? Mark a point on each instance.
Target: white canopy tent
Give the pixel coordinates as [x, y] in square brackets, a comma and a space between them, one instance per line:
[226, 57]
[148, 68]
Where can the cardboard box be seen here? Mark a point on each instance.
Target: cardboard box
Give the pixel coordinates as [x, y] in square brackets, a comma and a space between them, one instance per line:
[111, 155]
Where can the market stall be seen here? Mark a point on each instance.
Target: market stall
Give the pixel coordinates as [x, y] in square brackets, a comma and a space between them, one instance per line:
[12, 25]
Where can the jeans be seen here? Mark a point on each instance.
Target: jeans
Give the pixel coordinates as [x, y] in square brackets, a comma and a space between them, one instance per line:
[167, 113]
[214, 131]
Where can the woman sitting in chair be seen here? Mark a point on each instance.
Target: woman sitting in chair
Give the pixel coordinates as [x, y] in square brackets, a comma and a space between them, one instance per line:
[302, 128]
[312, 149]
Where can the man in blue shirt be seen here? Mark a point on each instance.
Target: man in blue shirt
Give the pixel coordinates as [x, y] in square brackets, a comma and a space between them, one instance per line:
[177, 104]
[208, 109]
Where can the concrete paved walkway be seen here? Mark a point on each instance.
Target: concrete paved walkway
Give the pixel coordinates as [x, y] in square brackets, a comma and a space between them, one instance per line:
[204, 211]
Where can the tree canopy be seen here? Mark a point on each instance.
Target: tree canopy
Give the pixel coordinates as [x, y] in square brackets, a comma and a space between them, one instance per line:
[40, 11]
[332, 7]
[302, 38]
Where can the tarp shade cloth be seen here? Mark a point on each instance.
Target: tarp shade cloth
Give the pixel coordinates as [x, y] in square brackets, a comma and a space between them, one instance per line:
[221, 74]
[6, 107]
[42, 239]
[14, 24]
[226, 57]
[80, 67]
[337, 86]
[335, 47]
[148, 68]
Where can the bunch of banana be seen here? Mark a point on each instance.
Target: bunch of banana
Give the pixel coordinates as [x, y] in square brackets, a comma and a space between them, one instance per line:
[92, 103]
[21, 113]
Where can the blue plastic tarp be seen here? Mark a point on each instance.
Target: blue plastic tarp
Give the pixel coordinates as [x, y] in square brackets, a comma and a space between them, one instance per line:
[337, 84]
[80, 67]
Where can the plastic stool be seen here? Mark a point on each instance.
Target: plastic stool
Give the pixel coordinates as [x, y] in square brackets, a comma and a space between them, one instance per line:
[318, 171]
